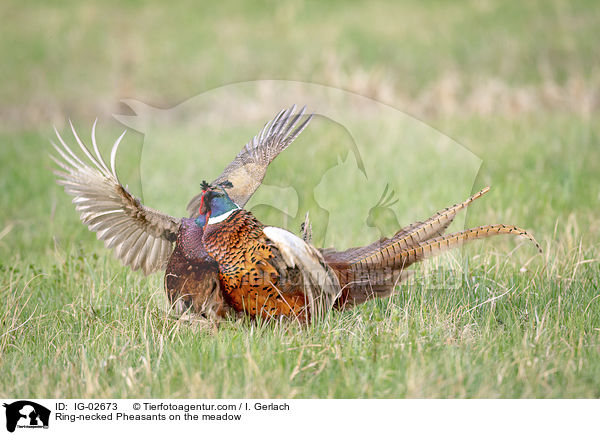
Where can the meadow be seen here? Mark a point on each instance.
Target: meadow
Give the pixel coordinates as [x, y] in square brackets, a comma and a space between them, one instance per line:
[515, 83]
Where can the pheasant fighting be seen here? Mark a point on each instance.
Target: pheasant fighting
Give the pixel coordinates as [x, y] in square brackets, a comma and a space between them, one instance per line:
[222, 261]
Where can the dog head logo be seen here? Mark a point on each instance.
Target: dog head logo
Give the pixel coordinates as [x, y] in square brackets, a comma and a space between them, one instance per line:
[26, 414]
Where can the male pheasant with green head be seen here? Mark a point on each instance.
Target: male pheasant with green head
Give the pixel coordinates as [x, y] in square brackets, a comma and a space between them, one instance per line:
[143, 238]
[269, 272]
[264, 271]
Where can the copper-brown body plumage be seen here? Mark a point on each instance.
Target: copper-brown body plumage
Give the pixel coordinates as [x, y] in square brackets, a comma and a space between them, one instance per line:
[251, 270]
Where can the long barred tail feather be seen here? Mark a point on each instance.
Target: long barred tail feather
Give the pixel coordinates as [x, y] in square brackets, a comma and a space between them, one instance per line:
[393, 258]
[376, 276]
[410, 236]
[436, 224]
[373, 271]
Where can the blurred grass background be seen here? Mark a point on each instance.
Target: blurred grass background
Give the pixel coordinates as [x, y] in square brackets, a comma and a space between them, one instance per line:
[439, 58]
[516, 82]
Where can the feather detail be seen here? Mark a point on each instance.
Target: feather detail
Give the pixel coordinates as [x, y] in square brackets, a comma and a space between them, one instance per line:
[306, 229]
[141, 237]
[248, 169]
[392, 258]
[408, 236]
[320, 284]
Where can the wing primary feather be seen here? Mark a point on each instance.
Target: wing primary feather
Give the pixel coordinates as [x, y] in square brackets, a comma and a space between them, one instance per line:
[68, 149]
[272, 125]
[263, 132]
[281, 132]
[64, 156]
[113, 154]
[95, 145]
[134, 250]
[294, 120]
[300, 128]
[84, 148]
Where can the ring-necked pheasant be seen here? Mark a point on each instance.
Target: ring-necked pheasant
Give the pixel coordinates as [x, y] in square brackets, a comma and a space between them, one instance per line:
[269, 272]
[143, 238]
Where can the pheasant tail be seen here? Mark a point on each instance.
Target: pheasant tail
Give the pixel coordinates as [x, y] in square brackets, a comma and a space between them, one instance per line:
[410, 236]
[394, 257]
[374, 270]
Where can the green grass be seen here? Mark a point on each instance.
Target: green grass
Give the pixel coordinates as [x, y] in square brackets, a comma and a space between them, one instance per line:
[75, 323]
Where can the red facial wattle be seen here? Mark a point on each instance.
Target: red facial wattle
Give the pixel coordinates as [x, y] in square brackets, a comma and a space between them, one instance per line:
[207, 214]
[201, 204]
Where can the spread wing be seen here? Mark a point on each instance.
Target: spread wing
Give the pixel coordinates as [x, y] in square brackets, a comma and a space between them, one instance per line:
[141, 237]
[247, 171]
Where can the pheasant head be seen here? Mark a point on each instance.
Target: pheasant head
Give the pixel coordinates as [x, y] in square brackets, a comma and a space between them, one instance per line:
[215, 205]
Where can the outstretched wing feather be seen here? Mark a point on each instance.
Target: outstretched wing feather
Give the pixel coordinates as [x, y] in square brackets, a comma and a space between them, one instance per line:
[141, 237]
[249, 167]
